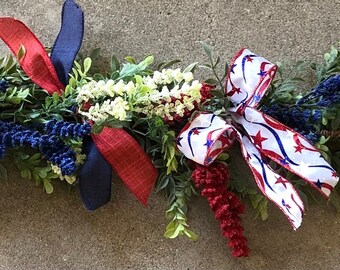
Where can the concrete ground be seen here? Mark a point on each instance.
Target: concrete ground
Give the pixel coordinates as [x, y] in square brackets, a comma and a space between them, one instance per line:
[40, 231]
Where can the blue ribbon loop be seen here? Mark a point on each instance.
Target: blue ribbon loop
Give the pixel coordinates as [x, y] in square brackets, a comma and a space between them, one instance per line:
[68, 41]
[96, 172]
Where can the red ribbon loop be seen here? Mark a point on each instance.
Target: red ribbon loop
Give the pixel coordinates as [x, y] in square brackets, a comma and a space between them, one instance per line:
[35, 62]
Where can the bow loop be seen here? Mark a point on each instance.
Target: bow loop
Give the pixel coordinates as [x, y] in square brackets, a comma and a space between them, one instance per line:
[248, 79]
[36, 62]
[207, 136]
[288, 148]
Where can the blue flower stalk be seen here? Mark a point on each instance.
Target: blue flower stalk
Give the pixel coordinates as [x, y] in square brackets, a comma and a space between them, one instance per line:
[327, 93]
[52, 148]
[65, 129]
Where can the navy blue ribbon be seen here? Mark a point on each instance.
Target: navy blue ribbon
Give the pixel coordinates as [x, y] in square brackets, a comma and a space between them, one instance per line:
[68, 41]
[94, 177]
[96, 172]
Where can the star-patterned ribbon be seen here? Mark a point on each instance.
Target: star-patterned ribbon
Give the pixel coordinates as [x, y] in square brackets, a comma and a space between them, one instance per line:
[260, 137]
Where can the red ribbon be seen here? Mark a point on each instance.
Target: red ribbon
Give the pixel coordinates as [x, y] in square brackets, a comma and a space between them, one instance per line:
[129, 161]
[120, 150]
[35, 62]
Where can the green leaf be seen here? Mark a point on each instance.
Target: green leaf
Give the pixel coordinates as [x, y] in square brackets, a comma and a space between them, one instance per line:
[263, 208]
[295, 80]
[10, 63]
[48, 102]
[223, 156]
[211, 81]
[26, 173]
[162, 182]
[205, 66]
[218, 60]
[255, 200]
[226, 68]
[193, 236]
[171, 233]
[77, 65]
[115, 65]
[218, 94]
[114, 75]
[299, 65]
[48, 186]
[207, 50]
[96, 129]
[251, 191]
[98, 77]
[191, 67]
[146, 62]
[323, 140]
[130, 59]
[87, 64]
[218, 112]
[167, 64]
[95, 53]
[21, 53]
[129, 70]
[34, 115]
[56, 98]
[41, 172]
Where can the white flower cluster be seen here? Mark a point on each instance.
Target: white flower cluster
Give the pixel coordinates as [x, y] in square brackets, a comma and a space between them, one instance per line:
[166, 101]
[163, 94]
[95, 90]
[168, 76]
[71, 179]
[116, 108]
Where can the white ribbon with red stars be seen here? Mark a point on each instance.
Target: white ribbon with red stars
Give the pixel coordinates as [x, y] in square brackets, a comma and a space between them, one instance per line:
[260, 136]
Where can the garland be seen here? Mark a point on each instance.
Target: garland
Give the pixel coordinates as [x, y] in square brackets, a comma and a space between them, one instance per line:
[162, 129]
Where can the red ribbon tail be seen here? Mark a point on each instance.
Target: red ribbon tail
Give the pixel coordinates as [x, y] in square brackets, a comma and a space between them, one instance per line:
[35, 62]
[128, 160]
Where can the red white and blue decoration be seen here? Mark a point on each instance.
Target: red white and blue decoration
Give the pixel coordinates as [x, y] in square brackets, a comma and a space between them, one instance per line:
[260, 137]
[81, 126]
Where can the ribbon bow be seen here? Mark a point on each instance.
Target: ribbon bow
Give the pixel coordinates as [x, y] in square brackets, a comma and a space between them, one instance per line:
[111, 148]
[260, 136]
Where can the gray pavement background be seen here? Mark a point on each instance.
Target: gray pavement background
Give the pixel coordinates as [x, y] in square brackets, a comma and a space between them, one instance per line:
[40, 231]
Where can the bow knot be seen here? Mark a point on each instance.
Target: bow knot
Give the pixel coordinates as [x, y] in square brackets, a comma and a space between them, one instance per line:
[260, 137]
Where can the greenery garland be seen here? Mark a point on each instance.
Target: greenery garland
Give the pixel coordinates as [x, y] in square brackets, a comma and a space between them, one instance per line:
[43, 134]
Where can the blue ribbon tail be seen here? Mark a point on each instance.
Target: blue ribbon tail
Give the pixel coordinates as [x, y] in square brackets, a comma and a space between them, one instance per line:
[69, 40]
[94, 177]
[96, 173]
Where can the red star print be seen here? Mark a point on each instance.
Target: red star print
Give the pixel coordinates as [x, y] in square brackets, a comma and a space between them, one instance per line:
[233, 91]
[196, 132]
[258, 139]
[334, 174]
[249, 59]
[298, 148]
[282, 181]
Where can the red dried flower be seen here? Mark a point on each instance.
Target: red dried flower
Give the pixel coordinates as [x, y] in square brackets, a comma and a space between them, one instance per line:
[225, 204]
[206, 91]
